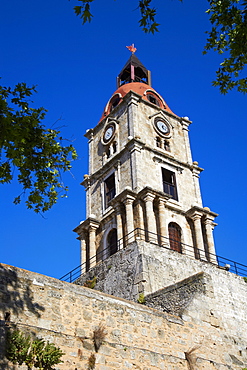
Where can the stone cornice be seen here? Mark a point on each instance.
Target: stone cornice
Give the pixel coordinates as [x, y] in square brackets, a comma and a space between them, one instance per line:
[155, 193]
[201, 211]
[127, 192]
[174, 162]
[85, 225]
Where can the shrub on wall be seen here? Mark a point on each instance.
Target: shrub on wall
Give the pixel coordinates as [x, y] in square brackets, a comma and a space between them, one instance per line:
[21, 349]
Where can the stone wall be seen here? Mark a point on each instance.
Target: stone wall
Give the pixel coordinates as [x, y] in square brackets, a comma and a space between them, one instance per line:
[177, 297]
[138, 337]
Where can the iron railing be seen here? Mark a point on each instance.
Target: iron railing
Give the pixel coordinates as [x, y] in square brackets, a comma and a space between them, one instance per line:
[162, 242]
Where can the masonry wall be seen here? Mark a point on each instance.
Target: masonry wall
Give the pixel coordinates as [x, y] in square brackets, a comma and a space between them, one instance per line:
[137, 337]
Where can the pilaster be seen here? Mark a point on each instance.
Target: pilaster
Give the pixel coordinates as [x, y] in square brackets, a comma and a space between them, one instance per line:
[83, 251]
[118, 209]
[195, 214]
[128, 202]
[150, 217]
[88, 227]
[162, 221]
[209, 224]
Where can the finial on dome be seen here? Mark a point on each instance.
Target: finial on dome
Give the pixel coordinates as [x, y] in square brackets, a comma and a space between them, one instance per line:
[131, 48]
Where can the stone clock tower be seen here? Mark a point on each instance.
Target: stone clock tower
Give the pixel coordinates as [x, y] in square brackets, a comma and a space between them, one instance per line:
[144, 204]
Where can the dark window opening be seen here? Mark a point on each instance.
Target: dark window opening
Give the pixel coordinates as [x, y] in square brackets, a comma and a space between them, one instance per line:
[114, 147]
[7, 316]
[166, 145]
[169, 183]
[153, 99]
[158, 142]
[175, 237]
[110, 190]
[112, 242]
[108, 153]
[115, 101]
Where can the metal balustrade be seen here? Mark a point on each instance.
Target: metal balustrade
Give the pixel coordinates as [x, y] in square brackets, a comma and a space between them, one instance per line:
[161, 242]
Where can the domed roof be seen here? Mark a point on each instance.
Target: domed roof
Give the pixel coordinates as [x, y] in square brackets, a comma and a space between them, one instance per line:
[145, 91]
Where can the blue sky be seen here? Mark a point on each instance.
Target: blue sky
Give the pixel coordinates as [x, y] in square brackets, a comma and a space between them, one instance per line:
[75, 67]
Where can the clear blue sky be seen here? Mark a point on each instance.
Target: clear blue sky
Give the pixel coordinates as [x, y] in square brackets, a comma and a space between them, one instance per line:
[75, 68]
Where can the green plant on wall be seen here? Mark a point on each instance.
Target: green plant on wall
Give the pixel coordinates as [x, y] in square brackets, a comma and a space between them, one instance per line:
[141, 298]
[90, 283]
[17, 347]
[21, 349]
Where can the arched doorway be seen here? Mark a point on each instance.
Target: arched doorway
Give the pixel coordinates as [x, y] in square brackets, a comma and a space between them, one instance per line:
[112, 242]
[175, 237]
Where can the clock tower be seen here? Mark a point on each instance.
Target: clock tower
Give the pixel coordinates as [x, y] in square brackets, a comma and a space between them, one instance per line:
[142, 192]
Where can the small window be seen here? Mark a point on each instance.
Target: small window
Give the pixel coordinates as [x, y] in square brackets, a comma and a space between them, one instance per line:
[153, 99]
[166, 145]
[169, 183]
[110, 190]
[108, 153]
[114, 147]
[112, 242]
[175, 237]
[158, 142]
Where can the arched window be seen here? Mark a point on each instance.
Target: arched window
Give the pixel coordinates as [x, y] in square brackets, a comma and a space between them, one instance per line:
[114, 102]
[153, 99]
[175, 237]
[112, 242]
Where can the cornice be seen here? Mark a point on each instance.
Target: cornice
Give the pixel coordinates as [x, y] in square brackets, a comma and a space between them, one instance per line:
[202, 211]
[175, 162]
[85, 225]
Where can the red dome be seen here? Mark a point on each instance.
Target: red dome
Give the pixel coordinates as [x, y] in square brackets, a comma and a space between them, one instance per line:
[145, 91]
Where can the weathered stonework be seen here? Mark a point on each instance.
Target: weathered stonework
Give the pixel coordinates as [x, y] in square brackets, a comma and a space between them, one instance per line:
[138, 337]
[146, 234]
[175, 298]
[141, 177]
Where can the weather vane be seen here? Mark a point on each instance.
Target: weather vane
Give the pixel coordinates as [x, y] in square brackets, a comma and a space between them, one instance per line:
[131, 48]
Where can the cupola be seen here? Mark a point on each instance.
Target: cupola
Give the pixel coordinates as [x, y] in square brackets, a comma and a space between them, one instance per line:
[134, 71]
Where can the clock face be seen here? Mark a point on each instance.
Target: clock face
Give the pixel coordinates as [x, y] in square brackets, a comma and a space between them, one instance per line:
[162, 127]
[108, 133]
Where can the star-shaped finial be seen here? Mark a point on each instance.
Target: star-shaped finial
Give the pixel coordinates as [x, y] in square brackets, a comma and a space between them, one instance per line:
[131, 48]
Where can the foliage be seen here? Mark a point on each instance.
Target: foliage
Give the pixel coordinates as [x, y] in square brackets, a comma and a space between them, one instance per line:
[91, 361]
[228, 35]
[99, 335]
[20, 349]
[245, 278]
[148, 14]
[36, 152]
[90, 283]
[17, 347]
[141, 298]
